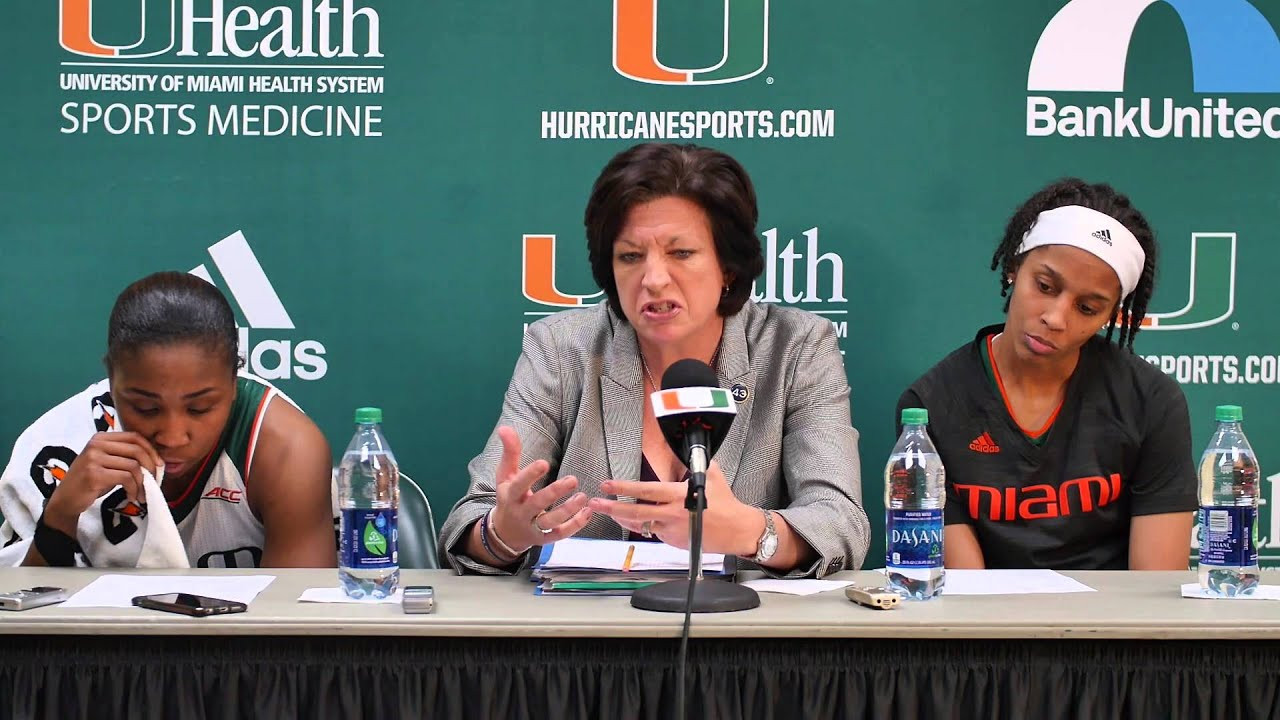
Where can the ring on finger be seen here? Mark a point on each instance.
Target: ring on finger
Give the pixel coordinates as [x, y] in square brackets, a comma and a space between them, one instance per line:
[646, 529]
[536, 526]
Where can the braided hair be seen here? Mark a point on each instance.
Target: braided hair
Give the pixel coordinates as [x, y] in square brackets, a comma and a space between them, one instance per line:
[1102, 198]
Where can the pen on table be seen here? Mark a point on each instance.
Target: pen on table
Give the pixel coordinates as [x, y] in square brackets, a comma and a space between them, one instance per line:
[626, 564]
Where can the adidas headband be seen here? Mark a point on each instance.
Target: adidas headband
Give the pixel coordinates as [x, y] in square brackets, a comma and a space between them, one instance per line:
[1094, 232]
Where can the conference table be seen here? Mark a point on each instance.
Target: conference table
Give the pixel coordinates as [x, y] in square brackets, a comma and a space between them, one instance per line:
[1132, 649]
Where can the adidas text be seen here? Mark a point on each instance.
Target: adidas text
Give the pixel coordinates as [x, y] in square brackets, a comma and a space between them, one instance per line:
[271, 359]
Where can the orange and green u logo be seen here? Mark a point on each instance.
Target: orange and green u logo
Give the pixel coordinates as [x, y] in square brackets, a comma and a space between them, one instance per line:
[677, 400]
[712, 401]
[1211, 298]
[539, 275]
[745, 42]
[154, 36]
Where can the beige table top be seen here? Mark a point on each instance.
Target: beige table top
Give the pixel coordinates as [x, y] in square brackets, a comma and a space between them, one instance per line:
[1127, 605]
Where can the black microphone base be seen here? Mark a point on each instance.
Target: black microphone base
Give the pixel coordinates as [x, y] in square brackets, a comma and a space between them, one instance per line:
[709, 596]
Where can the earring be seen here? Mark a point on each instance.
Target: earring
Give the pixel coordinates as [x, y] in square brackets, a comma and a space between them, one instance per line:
[724, 291]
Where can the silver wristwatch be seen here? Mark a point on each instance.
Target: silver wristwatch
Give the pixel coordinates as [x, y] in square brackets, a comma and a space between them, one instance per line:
[767, 545]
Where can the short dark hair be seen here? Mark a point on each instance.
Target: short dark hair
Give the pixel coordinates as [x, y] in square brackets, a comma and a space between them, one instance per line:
[709, 178]
[171, 307]
[1104, 199]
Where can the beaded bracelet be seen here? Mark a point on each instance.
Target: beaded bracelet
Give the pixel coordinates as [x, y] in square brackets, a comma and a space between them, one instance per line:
[497, 539]
[484, 540]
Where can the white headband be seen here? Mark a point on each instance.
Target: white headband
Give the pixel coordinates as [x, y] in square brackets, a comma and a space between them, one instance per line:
[1093, 232]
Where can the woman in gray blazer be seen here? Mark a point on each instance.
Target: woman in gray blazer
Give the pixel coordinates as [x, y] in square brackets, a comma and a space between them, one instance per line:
[672, 242]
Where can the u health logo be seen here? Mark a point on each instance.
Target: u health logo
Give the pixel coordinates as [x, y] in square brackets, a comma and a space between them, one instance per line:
[218, 28]
[637, 47]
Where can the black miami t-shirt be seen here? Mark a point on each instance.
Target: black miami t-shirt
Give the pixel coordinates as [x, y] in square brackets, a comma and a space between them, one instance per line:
[1120, 446]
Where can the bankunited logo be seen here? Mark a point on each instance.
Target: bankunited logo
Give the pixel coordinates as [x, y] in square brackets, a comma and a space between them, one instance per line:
[252, 291]
[1085, 48]
[1086, 45]
[636, 46]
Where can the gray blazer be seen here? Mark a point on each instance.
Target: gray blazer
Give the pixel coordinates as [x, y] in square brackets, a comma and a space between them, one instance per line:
[576, 400]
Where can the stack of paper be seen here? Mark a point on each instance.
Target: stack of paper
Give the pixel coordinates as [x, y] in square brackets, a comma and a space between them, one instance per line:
[579, 566]
[118, 591]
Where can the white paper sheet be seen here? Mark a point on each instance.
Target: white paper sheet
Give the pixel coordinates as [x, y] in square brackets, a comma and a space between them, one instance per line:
[336, 595]
[1262, 592]
[1010, 582]
[118, 591]
[611, 554]
[801, 586]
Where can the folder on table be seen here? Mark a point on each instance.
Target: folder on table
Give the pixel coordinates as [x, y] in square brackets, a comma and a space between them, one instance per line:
[583, 566]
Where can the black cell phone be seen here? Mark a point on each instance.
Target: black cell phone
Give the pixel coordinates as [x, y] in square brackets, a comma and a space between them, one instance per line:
[188, 604]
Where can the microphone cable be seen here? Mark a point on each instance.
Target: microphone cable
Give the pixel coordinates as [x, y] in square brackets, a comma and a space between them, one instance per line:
[695, 546]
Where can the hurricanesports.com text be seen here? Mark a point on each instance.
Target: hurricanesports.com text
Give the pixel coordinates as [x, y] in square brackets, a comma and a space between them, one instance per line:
[1219, 369]
[686, 124]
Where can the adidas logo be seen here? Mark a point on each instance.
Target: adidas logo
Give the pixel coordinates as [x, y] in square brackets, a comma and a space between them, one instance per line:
[984, 444]
[1103, 235]
[253, 293]
[247, 281]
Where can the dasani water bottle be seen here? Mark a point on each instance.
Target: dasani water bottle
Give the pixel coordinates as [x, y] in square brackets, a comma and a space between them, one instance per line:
[1229, 509]
[368, 495]
[914, 497]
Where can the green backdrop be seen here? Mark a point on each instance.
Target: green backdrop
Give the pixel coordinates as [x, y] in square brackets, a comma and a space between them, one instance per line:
[364, 177]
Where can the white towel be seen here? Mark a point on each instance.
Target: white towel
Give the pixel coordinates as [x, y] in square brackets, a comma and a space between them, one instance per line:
[112, 536]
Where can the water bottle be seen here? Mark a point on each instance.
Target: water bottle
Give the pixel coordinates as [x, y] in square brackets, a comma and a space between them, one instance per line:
[914, 496]
[368, 495]
[1229, 509]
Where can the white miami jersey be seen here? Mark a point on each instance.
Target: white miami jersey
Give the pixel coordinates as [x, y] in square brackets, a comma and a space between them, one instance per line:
[213, 516]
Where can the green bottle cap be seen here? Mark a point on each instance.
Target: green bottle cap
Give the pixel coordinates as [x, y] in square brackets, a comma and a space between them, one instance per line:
[1229, 413]
[368, 415]
[915, 416]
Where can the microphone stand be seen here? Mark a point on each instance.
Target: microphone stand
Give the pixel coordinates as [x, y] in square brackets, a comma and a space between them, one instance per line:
[697, 594]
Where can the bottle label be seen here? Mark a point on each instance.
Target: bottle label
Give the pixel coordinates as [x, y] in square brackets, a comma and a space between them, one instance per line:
[914, 538]
[1228, 536]
[369, 539]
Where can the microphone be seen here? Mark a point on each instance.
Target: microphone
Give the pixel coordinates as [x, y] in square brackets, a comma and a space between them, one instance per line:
[694, 413]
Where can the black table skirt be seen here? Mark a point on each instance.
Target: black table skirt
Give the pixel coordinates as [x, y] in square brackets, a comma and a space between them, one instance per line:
[64, 678]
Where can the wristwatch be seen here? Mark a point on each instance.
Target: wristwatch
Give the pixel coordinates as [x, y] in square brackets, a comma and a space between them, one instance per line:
[767, 545]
